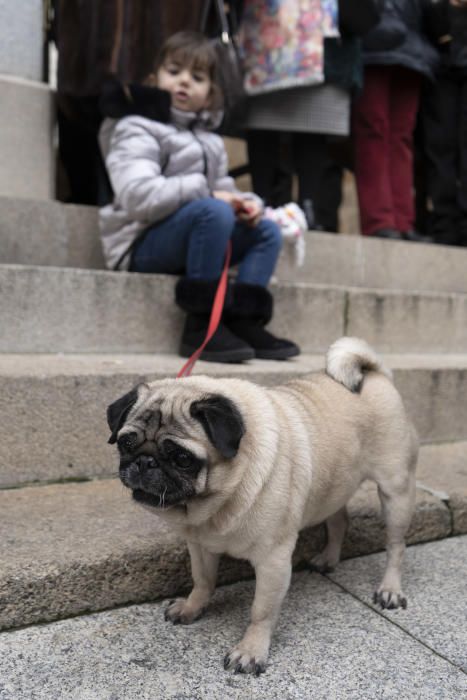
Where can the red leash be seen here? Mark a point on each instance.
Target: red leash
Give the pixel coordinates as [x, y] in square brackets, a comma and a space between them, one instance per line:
[215, 317]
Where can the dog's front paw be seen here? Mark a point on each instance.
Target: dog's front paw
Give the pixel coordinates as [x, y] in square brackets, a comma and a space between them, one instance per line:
[389, 600]
[180, 611]
[245, 659]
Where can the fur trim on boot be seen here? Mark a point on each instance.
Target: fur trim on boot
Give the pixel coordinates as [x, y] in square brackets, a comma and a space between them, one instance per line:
[196, 298]
[250, 309]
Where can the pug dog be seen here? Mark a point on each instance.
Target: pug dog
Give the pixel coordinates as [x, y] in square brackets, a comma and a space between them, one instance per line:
[240, 469]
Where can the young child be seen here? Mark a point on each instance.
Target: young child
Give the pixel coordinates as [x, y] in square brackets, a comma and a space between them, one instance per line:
[175, 208]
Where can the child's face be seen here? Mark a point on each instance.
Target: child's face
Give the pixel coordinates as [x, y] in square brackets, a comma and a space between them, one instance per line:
[190, 87]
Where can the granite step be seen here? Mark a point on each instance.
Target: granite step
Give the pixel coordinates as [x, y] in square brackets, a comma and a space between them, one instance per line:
[65, 235]
[53, 408]
[48, 309]
[74, 548]
[329, 642]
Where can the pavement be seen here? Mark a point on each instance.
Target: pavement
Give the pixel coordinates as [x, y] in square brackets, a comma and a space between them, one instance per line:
[331, 642]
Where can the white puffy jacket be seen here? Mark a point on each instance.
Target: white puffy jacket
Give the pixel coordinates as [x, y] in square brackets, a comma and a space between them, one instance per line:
[155, 168]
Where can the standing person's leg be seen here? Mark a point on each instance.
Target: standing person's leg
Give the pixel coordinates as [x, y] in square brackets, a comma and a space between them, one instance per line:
[462, 170]
[194, 240]
[271, 178]
[403, 107]
[440, 118]
[372, 143]
[78, 125]
[329, 195]
[319, 180]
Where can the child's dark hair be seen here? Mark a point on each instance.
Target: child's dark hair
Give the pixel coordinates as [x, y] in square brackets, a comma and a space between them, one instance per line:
[192, 49]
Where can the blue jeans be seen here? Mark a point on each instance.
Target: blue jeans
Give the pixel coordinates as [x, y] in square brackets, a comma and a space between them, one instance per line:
[194, 239]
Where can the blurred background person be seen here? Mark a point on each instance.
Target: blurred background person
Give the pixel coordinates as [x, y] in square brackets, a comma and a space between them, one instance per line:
[95, 39]
[301, 70]
[444, 123]
[397, 54]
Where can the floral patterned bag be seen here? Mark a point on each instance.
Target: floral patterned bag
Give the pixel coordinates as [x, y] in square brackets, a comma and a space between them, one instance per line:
[282, 42]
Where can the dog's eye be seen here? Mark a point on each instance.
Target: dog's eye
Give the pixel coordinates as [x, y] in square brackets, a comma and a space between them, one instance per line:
[183, 459]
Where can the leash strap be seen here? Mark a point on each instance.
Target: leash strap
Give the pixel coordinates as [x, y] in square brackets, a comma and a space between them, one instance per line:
[215, 317]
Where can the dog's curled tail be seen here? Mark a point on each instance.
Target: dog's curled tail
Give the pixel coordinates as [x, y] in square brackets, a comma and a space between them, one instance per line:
[348, 359]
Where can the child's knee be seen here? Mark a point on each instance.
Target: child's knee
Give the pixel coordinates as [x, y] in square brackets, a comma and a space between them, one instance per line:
[271, 232]
[216, 211]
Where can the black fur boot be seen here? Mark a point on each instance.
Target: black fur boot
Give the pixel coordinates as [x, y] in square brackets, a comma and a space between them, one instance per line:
[196, 298]
[250, 310]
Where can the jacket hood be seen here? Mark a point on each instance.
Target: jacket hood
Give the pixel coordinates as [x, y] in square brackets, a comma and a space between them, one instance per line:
[122, 100]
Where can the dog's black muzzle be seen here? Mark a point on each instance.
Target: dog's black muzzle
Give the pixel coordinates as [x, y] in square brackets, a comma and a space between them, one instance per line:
[141, 472]
[152, 482]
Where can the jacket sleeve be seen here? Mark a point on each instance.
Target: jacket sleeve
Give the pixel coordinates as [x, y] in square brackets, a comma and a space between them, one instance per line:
[225, 182]
[222, 180]
[134, 167]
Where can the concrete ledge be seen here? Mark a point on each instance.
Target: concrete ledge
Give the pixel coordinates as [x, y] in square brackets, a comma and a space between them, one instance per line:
[360, 261]
[78, 548]
[49, 233]
[443, 468]
[48, 309]
[56, 234]
[52, 413]
[26, 122]
[408, 321]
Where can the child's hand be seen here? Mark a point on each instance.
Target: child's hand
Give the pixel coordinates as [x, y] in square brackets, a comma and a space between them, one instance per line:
[250, 212]
[247, 210]
[231, 198]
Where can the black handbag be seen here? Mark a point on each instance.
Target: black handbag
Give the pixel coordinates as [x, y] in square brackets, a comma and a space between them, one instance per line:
[229, 66]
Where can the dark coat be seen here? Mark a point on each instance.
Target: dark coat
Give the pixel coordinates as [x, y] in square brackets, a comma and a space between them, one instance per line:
[415, 51]
[448, 27]
[98, 37]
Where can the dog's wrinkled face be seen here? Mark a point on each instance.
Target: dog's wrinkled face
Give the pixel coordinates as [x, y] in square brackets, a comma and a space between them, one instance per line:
[168, 438]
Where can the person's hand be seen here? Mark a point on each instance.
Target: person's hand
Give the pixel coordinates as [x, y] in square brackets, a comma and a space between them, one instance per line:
[247, 210]
[250, 212]
[458, 3]
[231, 198]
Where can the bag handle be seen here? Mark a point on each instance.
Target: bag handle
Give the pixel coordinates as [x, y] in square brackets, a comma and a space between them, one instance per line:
[221, 16]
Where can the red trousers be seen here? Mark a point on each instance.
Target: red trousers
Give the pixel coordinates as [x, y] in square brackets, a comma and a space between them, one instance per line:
[383, 123]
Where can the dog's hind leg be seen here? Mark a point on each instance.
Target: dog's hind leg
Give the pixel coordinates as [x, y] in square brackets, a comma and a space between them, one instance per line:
[397, 503]
[336, 527]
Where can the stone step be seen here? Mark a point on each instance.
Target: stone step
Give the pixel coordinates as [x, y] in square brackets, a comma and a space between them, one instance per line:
[46, 309]
[329, 642]
[75, 548]
[64, 235]
[27, 111]
[41, 232]
[53, 408]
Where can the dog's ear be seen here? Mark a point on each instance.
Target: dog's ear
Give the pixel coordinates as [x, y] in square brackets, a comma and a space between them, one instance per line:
[222, 422]
[118, 411]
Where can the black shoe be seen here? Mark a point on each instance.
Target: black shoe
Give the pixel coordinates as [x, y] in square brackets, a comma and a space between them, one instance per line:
[196, 298]
[224, 346]
[387, 233]
[416, 237]
[250, 311]
[265, 345]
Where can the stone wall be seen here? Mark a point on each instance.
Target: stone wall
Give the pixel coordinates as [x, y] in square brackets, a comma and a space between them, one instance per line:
[27, 165]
